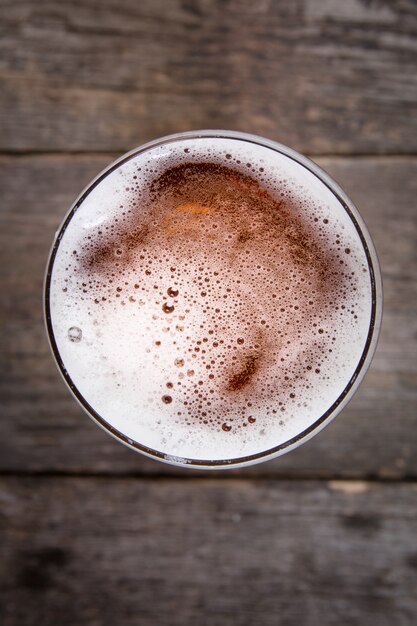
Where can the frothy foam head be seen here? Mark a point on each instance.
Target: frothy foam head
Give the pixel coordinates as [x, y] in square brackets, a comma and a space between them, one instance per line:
[210, 298]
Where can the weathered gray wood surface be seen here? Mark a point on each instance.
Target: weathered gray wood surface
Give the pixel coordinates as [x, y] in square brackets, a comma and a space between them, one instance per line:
[321, 75]
[128, 551]
[43, 429]
[126, 542]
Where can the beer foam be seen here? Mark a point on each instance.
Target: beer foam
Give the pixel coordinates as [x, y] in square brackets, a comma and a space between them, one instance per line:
[210, 298]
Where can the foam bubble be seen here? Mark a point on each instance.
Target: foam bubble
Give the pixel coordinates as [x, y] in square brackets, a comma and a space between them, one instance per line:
[223, 295]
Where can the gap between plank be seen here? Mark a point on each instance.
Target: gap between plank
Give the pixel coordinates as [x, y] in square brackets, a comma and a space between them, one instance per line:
[205, 476]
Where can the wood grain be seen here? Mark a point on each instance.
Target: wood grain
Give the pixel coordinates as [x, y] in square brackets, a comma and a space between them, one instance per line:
[321, 76]
[114, 551]
[94, 534]
[43, 430]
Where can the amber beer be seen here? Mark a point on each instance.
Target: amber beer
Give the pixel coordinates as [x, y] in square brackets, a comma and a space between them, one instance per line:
[212, 299]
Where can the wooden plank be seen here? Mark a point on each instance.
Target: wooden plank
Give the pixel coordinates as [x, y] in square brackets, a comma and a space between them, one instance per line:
[113, 551]
[324, 77]
[42, 429]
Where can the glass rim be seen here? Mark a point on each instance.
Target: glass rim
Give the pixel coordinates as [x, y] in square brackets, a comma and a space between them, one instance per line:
[362, 365]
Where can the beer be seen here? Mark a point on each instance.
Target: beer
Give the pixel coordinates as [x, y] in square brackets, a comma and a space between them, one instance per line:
[212, 299]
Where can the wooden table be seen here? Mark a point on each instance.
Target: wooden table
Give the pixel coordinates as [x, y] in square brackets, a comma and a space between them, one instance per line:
[94, 534]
